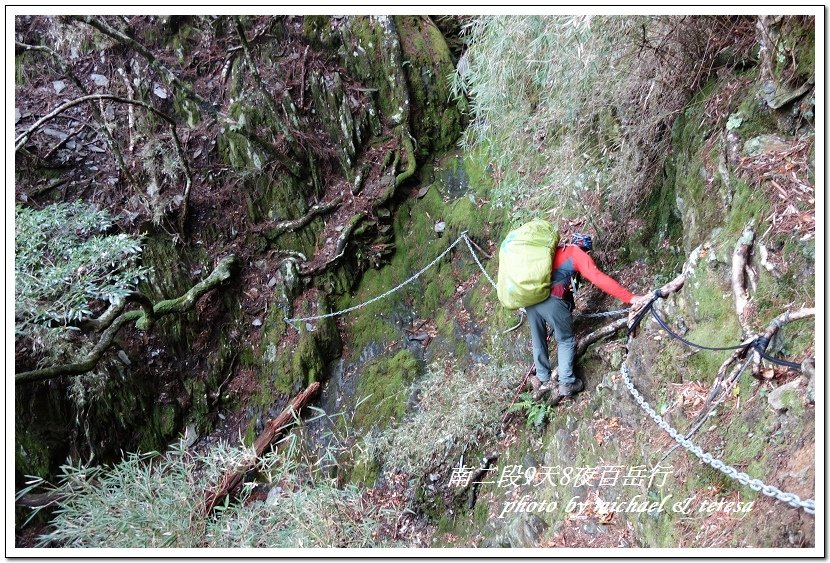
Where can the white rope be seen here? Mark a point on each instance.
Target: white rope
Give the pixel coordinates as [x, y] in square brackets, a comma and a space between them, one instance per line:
[475, 257]
[387, 293]
[463, 236]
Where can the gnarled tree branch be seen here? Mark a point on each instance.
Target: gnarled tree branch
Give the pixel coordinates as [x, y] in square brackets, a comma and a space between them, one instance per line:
[294, 224]
[142, 321]
[113, 311]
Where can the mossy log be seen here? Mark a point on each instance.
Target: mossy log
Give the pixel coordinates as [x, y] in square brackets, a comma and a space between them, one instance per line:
[142, 321]
[273, 428]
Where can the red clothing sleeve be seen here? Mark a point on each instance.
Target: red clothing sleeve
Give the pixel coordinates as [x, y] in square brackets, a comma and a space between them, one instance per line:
[585, 266]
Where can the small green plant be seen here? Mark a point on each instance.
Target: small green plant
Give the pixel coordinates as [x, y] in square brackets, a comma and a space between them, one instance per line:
[535, 411]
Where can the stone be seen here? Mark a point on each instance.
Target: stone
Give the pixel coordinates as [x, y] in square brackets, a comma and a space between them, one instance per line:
[529, 461]
[122, 355]
[274, 496]
[781, 396]
[525, 530]
[190, 435]
[159, 91]
[99, 80]
[808, 372]
[778, 95]
[59, 86]
[764, 144]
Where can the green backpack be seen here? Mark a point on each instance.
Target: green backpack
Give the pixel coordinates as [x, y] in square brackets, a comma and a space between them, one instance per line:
[525, 261]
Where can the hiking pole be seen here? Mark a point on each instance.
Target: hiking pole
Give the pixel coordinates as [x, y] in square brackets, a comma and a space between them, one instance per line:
[518, 390]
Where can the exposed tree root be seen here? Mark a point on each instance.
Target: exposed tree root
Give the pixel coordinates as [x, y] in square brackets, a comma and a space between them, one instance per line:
[294, 224]
[742, 271]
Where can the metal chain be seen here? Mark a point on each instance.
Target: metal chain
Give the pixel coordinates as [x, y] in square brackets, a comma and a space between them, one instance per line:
[383, 295]
[792, 499]
[617, 313]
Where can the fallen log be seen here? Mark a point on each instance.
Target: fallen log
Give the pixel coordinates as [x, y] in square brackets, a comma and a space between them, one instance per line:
[273, 428]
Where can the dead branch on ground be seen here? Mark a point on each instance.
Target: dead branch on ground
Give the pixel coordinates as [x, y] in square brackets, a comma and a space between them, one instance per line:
[273, 428]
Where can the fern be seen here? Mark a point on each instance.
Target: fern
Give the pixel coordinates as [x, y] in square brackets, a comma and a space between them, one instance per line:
[535, 412]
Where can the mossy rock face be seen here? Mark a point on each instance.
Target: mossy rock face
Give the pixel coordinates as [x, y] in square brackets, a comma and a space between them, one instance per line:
[41, 441]
[382, 387]
[372, 56]
[436, 125]
[288, 369]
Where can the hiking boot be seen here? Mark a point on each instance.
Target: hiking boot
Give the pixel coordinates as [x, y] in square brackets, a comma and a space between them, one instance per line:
[539, 387]
[568, 390]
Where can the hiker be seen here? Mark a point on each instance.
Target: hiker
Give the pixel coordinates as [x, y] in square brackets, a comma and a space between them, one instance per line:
[568, 261]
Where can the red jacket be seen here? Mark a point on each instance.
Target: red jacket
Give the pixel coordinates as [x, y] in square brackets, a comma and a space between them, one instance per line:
[569, 260]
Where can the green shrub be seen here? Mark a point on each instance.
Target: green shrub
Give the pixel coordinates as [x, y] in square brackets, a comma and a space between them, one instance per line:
[153, 501]
[455, 409]
[66, 264]
[574, 112]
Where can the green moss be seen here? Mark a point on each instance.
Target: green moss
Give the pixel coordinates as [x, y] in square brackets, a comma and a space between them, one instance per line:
[183, 41]
[199, 411]
[427, 64]
[32, 454]
[365, 473]
[162, 427]
[382, 384]
[247, 357]
[289, 369]
[749, 205]
[317, 30]
[742, 444]
[793, 403]
[250, 432]
[716, 323]
[186, 108]
[757, 119]
[19, 69]
[689, 173]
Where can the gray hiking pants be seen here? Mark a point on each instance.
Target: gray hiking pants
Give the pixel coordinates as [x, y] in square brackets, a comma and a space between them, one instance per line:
[553, 312]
